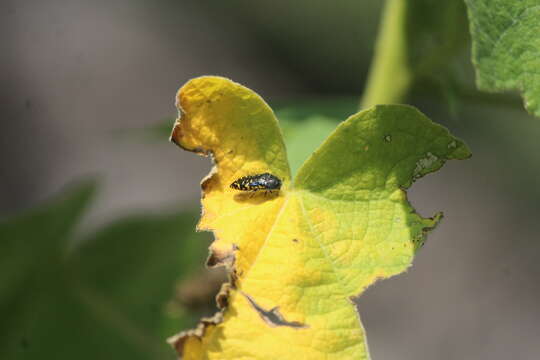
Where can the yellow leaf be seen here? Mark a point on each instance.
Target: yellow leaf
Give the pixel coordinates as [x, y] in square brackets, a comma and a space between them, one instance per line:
[297, 258]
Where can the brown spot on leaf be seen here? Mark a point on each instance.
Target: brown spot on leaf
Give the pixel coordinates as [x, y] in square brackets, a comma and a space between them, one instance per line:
[273, 317]
[176, 134]
[222, 298]
[221, 258]
[206, 182]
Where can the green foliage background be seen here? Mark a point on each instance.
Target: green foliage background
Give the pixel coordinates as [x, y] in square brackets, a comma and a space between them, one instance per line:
[89, 298]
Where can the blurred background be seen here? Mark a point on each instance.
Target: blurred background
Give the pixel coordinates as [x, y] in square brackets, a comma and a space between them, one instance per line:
[98, 255]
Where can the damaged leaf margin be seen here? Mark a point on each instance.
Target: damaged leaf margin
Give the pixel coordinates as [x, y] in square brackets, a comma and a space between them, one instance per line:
[298, 258]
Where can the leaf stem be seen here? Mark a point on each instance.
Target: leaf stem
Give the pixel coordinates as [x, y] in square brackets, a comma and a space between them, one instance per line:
[389, 76]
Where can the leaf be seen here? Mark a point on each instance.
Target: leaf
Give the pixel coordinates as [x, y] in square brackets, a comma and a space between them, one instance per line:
[105, 298]
[297, 259]
[301, 109]
[303, 137]
[506, 47]
[304, 127]
[30, 257]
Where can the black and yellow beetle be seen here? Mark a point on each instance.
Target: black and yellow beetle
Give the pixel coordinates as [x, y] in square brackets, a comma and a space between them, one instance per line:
[265, 182]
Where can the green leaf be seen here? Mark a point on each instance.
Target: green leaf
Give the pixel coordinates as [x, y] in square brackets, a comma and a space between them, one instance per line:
[385, 147]
[300, 109]
[303, 137]
[32, 247]
[506, 47]
[104, 298]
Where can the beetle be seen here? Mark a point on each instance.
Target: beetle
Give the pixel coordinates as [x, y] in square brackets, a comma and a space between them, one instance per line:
[265, 181]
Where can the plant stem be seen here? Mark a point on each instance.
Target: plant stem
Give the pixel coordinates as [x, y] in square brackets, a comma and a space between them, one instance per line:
[389, 76]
